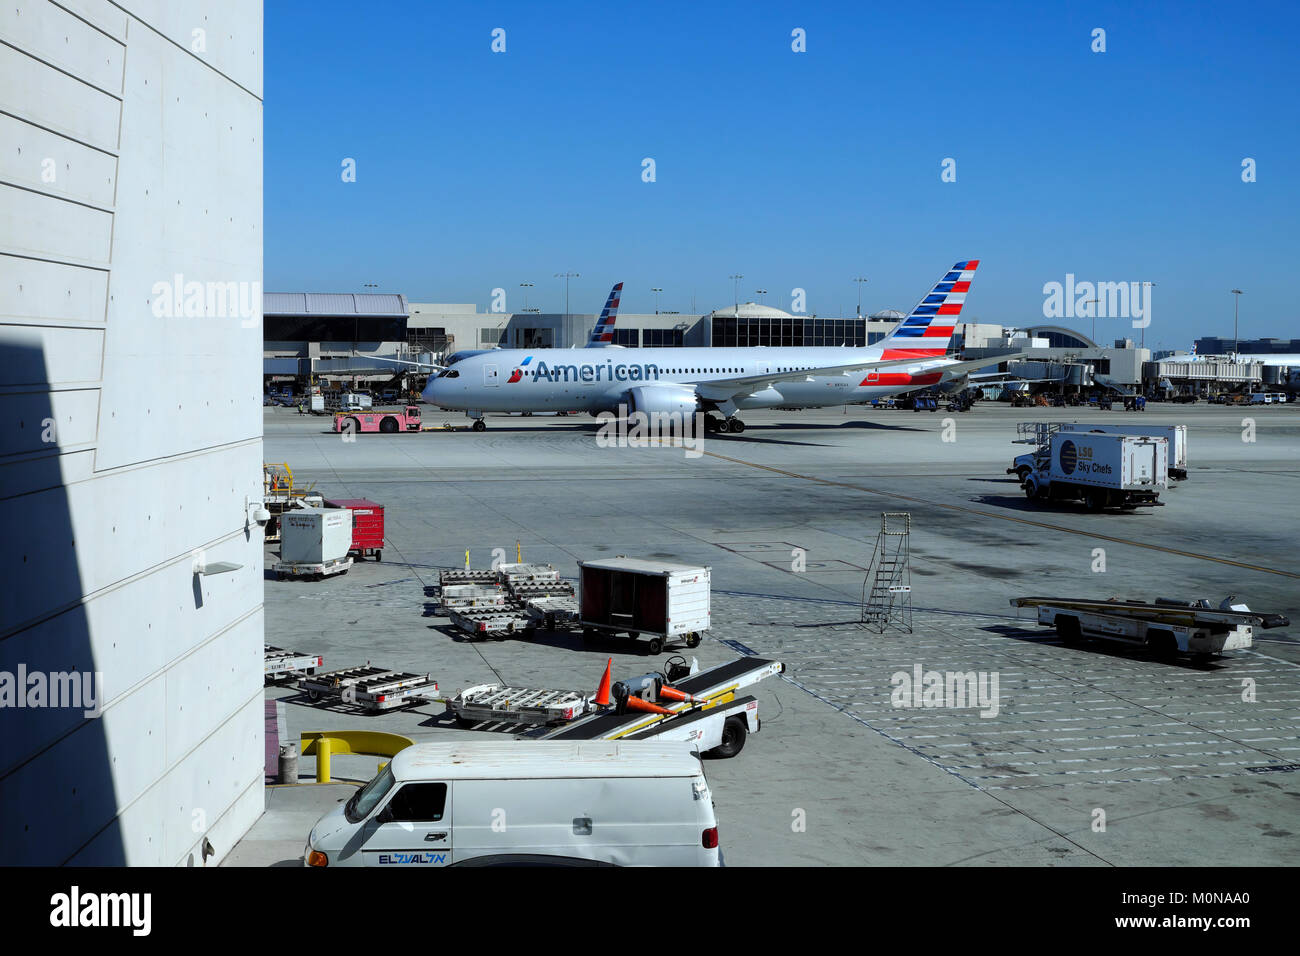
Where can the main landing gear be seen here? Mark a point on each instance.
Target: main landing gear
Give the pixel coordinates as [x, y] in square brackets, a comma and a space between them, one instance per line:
[480, 425]
[721, 425]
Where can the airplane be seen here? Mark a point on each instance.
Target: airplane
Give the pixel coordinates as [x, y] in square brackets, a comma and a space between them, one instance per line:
[715, 380]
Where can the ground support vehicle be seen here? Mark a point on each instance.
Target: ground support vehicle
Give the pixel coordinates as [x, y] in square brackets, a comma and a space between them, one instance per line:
[713, 718]
[517, 705]
[1165, 627]
[1102, 470]
[370, 688]
[634, 597]
[279, 664]
[389, 421]
[367, 526]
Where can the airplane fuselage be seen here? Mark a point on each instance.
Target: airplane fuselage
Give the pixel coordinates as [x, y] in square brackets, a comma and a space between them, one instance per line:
[596, 380]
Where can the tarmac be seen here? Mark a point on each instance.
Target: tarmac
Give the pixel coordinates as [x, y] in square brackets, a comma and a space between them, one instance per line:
[1095, 756]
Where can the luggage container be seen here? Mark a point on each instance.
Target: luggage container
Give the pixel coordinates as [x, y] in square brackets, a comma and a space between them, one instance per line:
[314, 542]
[367, 526]
[634, 597]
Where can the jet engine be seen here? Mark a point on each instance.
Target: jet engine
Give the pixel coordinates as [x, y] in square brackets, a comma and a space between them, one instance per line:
[663, 400]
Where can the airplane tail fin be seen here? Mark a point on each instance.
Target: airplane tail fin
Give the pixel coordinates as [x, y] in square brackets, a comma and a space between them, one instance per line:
[603, 333]
[927, 331]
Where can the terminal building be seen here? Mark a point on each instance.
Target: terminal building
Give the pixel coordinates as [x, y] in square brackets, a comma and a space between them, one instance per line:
[352, 339]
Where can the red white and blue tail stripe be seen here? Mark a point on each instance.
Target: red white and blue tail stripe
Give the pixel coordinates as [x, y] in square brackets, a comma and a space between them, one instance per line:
[928, 330]
[603, 333]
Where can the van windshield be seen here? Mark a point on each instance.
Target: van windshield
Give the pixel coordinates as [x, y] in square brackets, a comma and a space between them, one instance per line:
[364, 800]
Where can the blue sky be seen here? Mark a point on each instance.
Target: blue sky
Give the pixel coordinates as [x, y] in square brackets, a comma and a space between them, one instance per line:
[478, 170]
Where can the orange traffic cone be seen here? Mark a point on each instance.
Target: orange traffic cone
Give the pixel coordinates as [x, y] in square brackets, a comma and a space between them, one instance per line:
[672, 693]
[602, 691]
[636, 703]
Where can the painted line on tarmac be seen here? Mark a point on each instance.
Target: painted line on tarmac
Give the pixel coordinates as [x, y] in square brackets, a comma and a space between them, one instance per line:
[1012, 518]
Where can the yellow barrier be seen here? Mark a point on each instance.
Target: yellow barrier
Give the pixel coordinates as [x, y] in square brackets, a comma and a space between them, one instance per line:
[366, 743]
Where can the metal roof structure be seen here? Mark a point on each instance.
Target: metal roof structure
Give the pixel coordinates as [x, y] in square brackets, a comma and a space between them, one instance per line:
[389, 304]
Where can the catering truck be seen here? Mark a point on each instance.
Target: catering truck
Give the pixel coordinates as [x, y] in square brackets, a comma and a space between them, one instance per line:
[1103, 471]
[1175, 434]
[526, 803]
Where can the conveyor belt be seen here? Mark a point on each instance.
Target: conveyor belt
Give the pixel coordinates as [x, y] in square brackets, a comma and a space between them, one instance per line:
[600, 726]
[692, 717]
[1169, 612]
[716, 677]
[704, 686]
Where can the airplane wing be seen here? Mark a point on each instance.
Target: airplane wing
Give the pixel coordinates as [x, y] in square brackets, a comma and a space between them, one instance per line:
[723, 389]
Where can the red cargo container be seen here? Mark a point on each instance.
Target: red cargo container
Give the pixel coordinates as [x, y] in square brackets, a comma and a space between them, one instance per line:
[367, 525]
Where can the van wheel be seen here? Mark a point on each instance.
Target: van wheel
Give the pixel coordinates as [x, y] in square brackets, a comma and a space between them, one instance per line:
[1096, 500]
[1031, 488]
[734, 732]
[656, 646]
[379, 555]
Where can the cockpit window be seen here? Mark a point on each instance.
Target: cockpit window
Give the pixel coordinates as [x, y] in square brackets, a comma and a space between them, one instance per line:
[450, 373]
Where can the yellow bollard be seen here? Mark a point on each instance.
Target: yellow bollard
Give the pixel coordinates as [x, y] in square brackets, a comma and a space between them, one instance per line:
[519, 554]
[322, 747]
[467, 559]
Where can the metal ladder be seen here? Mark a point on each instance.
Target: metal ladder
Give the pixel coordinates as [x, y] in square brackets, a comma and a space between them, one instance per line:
[887, 588]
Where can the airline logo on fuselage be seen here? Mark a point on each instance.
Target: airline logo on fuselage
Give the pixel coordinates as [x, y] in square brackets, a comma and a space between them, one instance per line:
[608, 371]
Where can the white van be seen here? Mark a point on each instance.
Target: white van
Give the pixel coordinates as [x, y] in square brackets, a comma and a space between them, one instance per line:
[526, 803]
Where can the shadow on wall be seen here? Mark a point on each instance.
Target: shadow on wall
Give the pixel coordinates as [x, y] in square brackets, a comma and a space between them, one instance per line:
[57, 794]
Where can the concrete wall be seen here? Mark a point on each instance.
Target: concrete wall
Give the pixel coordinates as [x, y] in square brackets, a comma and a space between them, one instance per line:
[130, 425]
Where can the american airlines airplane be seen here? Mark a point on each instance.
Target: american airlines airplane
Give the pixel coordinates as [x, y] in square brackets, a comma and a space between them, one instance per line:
[722, 380]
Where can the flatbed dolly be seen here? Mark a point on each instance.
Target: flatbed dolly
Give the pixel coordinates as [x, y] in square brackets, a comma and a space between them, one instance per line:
[370, 688]
[517, 705]
[279, 663]
[295, 569]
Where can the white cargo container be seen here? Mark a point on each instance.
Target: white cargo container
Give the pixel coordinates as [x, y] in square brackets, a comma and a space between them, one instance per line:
[1176, 435]
[1102, 470]
[662, 600]
[315, 535]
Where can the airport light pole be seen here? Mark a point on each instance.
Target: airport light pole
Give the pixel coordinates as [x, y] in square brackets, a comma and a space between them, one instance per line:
[761, 293]
[859, 280]
[736, 279]
[525, 286]
[1093, 303]
[656, 291]
[1236, 301]
[1143, 343]
[566, 276]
